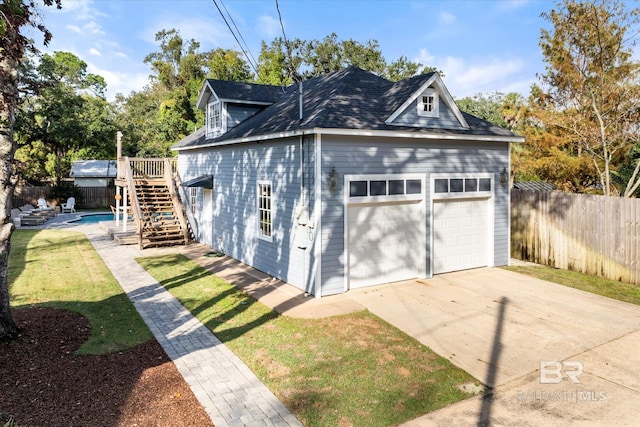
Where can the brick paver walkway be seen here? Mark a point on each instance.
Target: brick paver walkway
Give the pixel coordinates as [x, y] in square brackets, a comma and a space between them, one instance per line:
[231, 394]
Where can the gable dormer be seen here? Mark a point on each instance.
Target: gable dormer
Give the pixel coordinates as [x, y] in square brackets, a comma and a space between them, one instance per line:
[429, 106]
[227, 104]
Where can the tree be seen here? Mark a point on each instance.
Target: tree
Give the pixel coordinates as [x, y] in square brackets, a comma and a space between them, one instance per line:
[402, 69]
[591, 84]
[15, 16]
[227, 64]
[278, 64]
[284, 62]
[68, 115]
[486, 107]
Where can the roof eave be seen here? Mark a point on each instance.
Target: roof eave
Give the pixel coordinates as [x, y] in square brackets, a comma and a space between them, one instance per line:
[358, 132]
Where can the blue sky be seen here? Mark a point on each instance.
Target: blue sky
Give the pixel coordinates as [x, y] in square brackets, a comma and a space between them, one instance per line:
[482, 46]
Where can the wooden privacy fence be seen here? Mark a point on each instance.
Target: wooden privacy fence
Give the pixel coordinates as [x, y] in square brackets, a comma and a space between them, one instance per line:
[596, 235]
[91, 197]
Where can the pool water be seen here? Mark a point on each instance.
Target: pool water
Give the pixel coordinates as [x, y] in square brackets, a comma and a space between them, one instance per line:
[94, 218]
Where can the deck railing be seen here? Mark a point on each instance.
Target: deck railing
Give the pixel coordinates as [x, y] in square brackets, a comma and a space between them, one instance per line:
[146, 168]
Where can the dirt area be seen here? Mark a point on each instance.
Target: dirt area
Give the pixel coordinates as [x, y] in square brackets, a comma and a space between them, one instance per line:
[44, 383]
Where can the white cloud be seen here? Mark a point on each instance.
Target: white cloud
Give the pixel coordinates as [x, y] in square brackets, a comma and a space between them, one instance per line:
[447, 18]
[74, 29]
[465, 77]
[120, 81]
[94, 28]
[203, 30]
[268, 26]
[95, 52]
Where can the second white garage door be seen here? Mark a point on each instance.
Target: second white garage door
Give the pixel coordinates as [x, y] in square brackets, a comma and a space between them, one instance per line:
[460, 234]
[386, 243]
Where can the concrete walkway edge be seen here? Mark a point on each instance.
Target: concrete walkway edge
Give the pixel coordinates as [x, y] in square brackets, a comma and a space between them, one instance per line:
[228, 390]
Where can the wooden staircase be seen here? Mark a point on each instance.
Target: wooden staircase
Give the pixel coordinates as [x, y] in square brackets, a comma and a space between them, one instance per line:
[160, 224]
[153, 202]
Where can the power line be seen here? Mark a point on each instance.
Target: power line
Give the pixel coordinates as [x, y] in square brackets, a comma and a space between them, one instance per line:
[242, 38]
[246, 53]
[294, 73]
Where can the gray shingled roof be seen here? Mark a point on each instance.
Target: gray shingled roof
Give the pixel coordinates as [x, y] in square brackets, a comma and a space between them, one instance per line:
[93, 169]
[347, 99]
[249, 91]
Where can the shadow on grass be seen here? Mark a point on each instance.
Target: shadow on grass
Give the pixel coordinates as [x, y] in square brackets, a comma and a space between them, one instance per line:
[339, 377]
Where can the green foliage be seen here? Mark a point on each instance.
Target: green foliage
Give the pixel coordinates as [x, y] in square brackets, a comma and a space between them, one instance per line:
[66, 115]
[487, 107]
[227, 64]
[282, 63]
[627, 292]
[591, 90]
[61, 192]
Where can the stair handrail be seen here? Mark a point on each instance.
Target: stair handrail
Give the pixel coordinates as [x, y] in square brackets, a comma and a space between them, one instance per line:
[175, 198]
[133, 197]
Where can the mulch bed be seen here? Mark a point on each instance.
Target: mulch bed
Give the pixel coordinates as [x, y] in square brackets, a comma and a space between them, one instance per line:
[45, 384]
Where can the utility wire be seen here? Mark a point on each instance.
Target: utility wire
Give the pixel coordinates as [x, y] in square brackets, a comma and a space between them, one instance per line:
[294, 73]
[242, 38]
[244, 51]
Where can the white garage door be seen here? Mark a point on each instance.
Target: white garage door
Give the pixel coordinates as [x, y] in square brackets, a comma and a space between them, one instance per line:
[386, 243]
[460, 234]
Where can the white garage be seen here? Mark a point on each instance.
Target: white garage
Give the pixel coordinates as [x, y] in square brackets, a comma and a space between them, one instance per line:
[385, 223]
[462, 218]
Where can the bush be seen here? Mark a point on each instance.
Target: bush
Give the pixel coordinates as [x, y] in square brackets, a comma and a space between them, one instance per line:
[65, 190]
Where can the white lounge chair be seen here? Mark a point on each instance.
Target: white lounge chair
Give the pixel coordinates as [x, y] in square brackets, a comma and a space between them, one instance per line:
[70, 206]
[43, 205]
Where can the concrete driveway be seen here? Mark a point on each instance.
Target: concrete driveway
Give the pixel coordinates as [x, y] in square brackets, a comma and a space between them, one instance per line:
[500, 326]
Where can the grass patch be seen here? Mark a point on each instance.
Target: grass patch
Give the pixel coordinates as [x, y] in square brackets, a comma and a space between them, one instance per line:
[346, 370]
[60, 269]
[627, 292]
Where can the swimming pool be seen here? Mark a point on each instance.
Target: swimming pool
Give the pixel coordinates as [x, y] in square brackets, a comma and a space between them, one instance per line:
[94, 218]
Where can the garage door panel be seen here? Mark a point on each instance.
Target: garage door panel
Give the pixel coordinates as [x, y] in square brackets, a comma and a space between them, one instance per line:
[386, 243]
[461, 234]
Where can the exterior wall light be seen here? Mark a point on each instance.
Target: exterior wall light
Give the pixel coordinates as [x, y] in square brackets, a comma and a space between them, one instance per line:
[332, 180]
[504, 177]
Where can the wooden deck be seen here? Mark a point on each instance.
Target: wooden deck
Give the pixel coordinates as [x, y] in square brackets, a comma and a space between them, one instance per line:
[129, 237]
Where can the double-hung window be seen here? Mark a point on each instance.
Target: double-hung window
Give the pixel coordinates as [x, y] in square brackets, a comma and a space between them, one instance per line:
[214, 120]
[265, 211]
[428, 104]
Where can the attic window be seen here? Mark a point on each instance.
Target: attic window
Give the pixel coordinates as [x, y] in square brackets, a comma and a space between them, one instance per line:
[428, 105]
[214, 120]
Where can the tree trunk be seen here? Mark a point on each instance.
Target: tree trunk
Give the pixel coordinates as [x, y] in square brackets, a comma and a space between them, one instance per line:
[8, 101]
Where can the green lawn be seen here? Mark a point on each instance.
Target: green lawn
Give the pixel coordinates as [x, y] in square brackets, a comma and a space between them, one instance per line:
[598, 285]
[60, 269]
[346, 370]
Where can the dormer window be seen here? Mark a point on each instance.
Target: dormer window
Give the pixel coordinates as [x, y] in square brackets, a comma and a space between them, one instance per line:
[428, 104]
[214, 120]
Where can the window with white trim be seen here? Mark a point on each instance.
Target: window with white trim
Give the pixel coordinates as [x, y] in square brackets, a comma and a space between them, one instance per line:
[462, 185]
[265, 210]
[428, 104]
[214, 119]
[193, 199]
